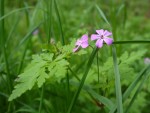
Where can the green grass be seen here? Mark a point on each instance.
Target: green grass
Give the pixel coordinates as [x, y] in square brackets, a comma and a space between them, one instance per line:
[116, 81]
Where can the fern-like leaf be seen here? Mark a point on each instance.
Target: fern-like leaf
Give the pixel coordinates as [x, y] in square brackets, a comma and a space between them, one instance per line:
[41, 68]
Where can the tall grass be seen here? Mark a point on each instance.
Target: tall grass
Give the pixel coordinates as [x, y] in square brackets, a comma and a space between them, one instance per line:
[87, 78]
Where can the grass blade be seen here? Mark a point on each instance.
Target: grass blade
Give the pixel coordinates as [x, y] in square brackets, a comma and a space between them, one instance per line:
[29, 34]
[95, 96]
[145, 77]
[41, 99]
[14, 11]
[60, 24]
[32, 27]
[117, 82]
[82, 80]
[135, 82]
[2, 38]
[48, 19]
[2, 44]
[132, 86]
[4, 51]
[108, 103]
[120, 9]
[102, 14]
[12, 31]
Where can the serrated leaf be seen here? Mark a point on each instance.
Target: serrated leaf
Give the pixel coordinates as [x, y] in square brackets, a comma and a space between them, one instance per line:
[127, 71]
[26, 80]
[69, 48]
[58, 68]
[41, 79]
[42, 67]
[129, 59]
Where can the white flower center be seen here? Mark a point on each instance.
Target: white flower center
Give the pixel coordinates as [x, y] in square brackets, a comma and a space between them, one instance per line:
[80, 42]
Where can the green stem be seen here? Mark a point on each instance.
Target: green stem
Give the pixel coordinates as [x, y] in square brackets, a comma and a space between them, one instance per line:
[2, 44]
[23, 56]
[74, 74]
[95, 96]
[90, 61]
[41, 100]
[68, 89]
[131, 42]
[98, 67]
[10, 105]
[8, 71]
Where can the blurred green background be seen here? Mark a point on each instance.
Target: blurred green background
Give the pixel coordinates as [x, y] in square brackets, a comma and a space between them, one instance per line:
[26, 25]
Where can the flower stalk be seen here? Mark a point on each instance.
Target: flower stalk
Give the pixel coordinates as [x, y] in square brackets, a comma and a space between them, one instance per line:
[90, 61]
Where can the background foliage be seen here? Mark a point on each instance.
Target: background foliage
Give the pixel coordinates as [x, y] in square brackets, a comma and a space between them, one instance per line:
[37, 63]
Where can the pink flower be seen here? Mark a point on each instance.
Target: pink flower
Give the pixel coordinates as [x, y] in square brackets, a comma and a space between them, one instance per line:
[83, 42]
[102, 36]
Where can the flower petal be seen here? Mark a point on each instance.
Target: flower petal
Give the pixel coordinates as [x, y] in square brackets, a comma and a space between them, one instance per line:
[108, 41]
[78, 42]
[107, 33]
[100, 32]
[75, 49]
[94, 37]
[99, 43]
[84, 38]
[84, 45]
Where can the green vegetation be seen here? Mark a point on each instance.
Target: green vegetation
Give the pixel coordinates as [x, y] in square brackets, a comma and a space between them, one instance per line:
[40, 73]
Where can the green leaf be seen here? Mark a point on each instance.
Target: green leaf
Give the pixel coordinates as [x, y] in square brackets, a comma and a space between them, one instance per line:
[108, 103]
[125, 63]
[59, 68]
[81, 52]
[135, 82]
[41, 68]
[132, 85]
[41, 79]
[102, 14]
[129, 59]
[69, 48]
[59, 22]
[117, 82]
[14, 11]
[145, 77]
[90, 61]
